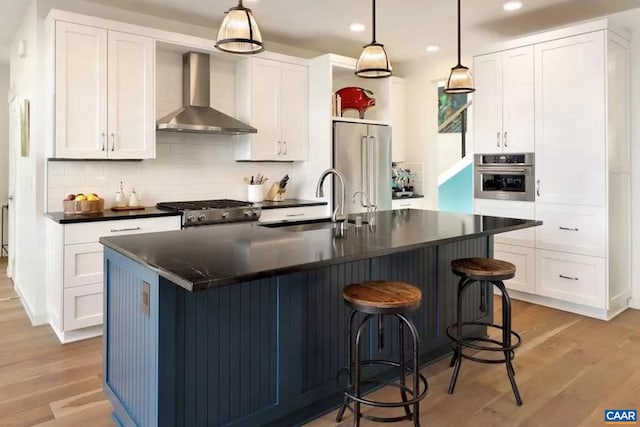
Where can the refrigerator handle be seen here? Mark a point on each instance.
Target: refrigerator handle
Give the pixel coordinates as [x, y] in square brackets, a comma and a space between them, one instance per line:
[373, 168]
[364, 165]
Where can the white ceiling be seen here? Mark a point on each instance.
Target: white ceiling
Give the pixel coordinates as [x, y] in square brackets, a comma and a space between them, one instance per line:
[406, 27]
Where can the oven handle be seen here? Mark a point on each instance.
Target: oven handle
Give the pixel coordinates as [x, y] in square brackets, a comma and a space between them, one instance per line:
[485, 169]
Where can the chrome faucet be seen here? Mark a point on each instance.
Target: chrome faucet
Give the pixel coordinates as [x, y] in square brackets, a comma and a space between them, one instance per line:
[371, 208]
[335, 217]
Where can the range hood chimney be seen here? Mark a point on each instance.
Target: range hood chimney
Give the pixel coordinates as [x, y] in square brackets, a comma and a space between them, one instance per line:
[196, 114]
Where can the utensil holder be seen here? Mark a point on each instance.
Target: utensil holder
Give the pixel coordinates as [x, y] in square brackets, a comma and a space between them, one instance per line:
[255, 192]
[275, 193]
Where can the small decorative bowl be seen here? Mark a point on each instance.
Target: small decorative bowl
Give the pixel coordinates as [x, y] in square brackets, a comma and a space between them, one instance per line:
[74, 207]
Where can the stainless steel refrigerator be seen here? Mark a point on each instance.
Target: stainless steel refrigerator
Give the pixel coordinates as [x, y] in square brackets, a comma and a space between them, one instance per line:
[362, 153]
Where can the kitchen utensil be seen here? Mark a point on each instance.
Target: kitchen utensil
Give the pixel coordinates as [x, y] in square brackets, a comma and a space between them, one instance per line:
[283, 182]
[275, 193]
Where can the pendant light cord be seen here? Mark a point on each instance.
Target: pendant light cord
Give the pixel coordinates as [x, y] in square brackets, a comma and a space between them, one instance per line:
[374, 21]
[459, 36]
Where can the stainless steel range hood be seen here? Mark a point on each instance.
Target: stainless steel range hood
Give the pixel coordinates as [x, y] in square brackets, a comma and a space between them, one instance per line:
[196, 115]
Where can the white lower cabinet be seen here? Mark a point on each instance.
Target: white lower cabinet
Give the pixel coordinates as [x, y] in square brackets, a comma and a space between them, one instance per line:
[524, 260]
[295, 214]
[82, 306]
[75, 271]
[573, 278]
[407, 204]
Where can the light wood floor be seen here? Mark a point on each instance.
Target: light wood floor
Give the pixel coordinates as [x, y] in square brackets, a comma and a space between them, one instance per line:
[569, 369]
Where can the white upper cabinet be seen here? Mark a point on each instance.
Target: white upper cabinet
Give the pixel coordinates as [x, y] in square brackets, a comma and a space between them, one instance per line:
[131, 117]
[487, 103]
[273, 97]
[81, 91]
[571, 120]
[104, 91]
[504, 102]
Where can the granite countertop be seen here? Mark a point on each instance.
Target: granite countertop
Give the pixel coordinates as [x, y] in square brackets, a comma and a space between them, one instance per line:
[289, 203]
[108, 215]
[203, 257]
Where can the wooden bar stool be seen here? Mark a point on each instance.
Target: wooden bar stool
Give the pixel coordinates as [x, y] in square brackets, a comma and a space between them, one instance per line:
[484, 271]
[377, 299]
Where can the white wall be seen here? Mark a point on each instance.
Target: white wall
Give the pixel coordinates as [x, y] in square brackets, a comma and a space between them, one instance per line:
[4, 135]
[635, 169]
[423, 144]
[26, 83]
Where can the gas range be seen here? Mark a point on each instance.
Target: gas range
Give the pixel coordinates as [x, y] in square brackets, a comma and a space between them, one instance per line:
[209, 212]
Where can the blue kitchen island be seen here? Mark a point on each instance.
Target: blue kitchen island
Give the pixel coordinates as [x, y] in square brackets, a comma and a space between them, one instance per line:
[245, 325]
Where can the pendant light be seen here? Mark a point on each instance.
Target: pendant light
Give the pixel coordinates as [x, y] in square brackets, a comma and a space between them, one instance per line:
[239, 32]
[460, 80]
[373, 62]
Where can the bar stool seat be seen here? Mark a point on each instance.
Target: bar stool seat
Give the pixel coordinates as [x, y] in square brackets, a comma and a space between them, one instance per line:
[379, 299]
[487, 272]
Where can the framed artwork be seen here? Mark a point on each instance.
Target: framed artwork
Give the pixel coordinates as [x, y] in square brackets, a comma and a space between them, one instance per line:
[25, 128]
[452, 113]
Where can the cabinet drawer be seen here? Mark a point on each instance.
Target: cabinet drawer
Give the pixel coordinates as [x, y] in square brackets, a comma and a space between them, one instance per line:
[573, 278]
[294, 214]
[524, 260]
[83, 264]
[575, 229]
[87, 232]
[82, 307]
[406, 204]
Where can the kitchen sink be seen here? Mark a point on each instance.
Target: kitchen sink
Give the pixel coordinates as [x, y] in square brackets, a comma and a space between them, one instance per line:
[302, 225]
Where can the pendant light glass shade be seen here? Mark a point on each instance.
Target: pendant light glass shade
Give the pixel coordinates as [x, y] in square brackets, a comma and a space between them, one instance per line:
[374, 61]
[460, 80]
[239, 32]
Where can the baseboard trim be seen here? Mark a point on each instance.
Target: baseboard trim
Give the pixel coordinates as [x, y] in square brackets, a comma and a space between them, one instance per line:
[77, 335]
[634, 303]
[35, 319]
[582, 310]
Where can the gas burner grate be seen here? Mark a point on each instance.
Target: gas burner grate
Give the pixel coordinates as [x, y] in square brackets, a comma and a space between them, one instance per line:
[203, 204]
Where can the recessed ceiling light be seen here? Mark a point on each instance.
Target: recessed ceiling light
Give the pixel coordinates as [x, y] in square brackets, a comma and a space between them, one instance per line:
[512, 5]
[433, 48]
[357, 27]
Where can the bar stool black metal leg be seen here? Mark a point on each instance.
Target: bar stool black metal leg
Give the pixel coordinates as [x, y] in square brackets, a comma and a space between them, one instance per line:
[416, 367]
[356, 384]
[345, 403]
[462, 286]
[454, 356]
[506, 339]
[403, 392]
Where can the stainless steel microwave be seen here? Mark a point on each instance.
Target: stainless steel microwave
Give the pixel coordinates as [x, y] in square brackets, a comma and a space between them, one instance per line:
[504, 176]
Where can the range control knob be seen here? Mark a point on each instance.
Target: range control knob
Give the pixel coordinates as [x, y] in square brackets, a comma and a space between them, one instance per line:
[201, 217]
[191, 218]
[225, 214]
[249, 213]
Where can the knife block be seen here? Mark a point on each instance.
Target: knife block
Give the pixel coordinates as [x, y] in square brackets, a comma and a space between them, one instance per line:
[275, 193]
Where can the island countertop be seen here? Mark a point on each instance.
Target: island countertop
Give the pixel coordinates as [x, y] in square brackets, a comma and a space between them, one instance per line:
[202, 257]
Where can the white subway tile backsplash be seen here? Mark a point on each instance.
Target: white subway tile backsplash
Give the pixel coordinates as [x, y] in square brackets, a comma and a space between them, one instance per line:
[187, 167]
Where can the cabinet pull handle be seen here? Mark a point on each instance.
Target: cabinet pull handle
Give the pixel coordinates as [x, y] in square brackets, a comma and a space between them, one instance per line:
[294, 215]
[406, 205]
[279, 147]
[568, 228]
[286, 149]
[113, 141]
[119, 230]
[104, 141]
[498, 139]
[538, 188]
[562, 276]
[505, 138]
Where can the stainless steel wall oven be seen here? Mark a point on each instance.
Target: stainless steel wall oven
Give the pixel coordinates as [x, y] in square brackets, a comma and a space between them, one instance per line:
[504, 176]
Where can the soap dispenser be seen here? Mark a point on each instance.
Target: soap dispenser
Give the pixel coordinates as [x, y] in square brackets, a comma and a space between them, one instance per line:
[133, 198]
[120, 200]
